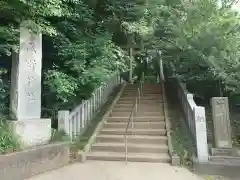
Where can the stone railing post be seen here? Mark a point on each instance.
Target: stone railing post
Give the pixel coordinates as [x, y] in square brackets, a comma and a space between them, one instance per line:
[201, 133]
[63, 121]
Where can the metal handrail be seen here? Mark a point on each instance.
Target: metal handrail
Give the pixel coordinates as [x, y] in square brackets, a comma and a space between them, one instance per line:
[131, 118]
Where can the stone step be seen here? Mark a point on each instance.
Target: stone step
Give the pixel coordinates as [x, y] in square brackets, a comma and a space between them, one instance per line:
[222, 151]
[140, 108]
[133, 139]
[138, 114]
[130, 88]
[149, 132]
[144, 92]
[137, 125]
[225, 159]
[155, 101]
[144, 85]
[133, 99]
[146, 140]
[137, 119]
[131, 147]
[150, 98]
[152, 103]
[147, 91]
[131, 157]
[141, 105]
[147, 86]
[141, 102]
[149, 106]
[143, 88]
[144, 108]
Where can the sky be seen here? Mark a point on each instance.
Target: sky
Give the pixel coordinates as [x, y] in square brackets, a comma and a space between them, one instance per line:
[237, 6]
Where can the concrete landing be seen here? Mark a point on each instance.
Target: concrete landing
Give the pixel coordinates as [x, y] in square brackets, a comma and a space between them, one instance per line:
[100, 170]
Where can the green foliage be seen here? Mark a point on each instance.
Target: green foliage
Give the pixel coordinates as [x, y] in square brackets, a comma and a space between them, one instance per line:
[200, 38]
[82, 39]
[8, 142]
[179, 142]
[78, 51]
[59, 136]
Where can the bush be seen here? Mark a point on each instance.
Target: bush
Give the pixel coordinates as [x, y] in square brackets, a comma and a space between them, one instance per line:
[59, 136]
[8, 142]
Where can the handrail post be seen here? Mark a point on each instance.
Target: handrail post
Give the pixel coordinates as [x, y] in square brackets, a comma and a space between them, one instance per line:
[132, 123]
[131, 120]
[139, 94]
[143, 76]
[126, 149]
[136, 107]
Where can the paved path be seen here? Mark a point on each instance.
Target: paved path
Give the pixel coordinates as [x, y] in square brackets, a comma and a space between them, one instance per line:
[94, 170]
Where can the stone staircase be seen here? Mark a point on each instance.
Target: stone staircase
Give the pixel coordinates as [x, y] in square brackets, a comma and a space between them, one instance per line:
[147, 141]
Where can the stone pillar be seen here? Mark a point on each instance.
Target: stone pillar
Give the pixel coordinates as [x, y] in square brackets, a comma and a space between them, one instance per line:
[63, 121]
[221, 122]
[26, 77]
[201, 133]
[25, 96]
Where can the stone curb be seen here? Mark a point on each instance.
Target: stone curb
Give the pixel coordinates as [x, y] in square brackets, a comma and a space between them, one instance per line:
[81, 155]
[33, 161]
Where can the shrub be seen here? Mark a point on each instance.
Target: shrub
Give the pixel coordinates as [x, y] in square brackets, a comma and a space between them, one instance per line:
[8, 141]
[58, 136]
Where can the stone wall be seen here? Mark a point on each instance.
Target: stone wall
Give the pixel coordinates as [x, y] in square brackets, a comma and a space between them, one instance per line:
[20, 165]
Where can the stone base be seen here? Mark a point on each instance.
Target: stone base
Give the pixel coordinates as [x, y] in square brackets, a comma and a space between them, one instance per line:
[81, 156]
[32, 132]
[218, 167]
[222, 152]
[176, 160]
[225, 152]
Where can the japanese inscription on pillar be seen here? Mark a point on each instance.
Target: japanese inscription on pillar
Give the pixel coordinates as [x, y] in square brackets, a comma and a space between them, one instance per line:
[221, 122]
[26, 76]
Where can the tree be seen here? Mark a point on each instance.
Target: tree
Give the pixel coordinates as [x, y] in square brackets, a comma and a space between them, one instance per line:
[78, 53]
[202, 40]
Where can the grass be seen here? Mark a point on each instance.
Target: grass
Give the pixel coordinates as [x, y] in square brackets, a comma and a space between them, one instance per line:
[181, 138]
[59, 136]
[82, 140]
[8, 142]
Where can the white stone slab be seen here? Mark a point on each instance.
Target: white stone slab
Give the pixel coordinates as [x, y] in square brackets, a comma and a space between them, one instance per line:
[26, 77]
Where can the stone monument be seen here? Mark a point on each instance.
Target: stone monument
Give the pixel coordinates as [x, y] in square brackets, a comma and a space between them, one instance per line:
[221, 126]
[25, 96]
